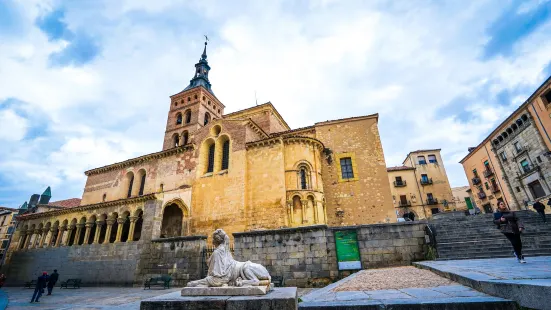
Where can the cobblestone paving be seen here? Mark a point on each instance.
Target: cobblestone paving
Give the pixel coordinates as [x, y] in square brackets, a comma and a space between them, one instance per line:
[386, 278]
[399, 288]
[86, 298]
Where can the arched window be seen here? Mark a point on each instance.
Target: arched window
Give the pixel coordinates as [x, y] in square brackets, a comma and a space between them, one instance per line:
[210, 164]
[82, 231]
[303, 181]
[125, 227]
[114, 228]
[185, 138]
[172, 221]
[92, 234]
[207, 118]
[73, 232]
[176, 140]
[142, 182]
[103, 229]
[297, 210]
[179, 119]
[188, 116]
[138, 227]
[130, 180]
[225, 155]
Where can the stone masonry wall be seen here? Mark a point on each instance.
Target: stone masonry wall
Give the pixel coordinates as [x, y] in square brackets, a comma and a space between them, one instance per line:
[306, 256]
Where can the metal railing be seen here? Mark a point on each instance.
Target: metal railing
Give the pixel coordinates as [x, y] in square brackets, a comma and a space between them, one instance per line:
[488, 172]
[495, 188]
[526, 170]
[426, 181]
[406, 203]
[432, 201]
[399, 183]
[481, 195]
[476, 180]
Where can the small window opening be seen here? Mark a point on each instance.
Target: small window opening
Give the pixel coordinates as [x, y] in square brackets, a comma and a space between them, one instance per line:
[225, 155]
[347, 171]
[210, 166]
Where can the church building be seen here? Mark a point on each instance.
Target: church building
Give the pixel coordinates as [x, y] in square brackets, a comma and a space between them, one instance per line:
[242, 171]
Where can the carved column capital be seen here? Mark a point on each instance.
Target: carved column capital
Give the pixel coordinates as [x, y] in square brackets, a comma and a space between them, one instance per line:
[100, 223]
[133, 219]
[80, 225]
[89, 224]
[53, 229]
[63, 228]
[121, 220]
[110, 222]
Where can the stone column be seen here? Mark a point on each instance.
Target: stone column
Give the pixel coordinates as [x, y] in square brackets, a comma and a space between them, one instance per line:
[120, 222]
[22, 235]
[290, 208]
[29, 234]
[44, 235]
[52, 231]
[133, 220]
[60, 235]
[87, 233]
[99, 225]
[316, 216]
[77, 233]
[304, 203]
[36, 238]
[110, 223]
[70, 230]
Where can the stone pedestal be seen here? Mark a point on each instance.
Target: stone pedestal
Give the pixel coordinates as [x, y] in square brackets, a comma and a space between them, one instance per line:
[226, 291]
[280, 298]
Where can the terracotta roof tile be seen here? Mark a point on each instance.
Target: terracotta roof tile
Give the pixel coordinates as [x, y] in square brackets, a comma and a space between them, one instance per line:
[399, 168]
[67, 203]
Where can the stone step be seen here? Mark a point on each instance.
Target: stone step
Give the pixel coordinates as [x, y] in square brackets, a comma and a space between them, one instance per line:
[492, 255]
[474, 303]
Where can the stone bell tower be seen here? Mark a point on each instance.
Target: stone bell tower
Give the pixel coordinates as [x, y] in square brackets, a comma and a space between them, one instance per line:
[194, 107]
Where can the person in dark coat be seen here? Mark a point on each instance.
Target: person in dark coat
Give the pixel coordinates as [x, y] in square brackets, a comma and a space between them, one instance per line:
[40, 285]
[511, 226]
[52, 280]
[540, 208]
[2, 279]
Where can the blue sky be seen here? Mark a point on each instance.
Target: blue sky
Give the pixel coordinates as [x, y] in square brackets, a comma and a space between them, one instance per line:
[87, 83]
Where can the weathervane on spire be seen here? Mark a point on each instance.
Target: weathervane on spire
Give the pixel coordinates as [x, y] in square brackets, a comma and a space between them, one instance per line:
[204, 56]
[206, 38]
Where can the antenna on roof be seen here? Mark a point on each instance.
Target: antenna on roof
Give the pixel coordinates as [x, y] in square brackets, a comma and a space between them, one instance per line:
[255, 99]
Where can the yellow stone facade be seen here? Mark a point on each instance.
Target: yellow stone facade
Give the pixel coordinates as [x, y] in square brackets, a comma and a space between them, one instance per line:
[421, 185]
[241, 171]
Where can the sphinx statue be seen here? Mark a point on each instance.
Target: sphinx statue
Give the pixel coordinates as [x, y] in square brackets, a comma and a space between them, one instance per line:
[226, 271]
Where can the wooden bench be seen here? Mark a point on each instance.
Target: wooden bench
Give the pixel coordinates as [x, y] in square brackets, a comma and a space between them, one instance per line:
[30, 284]
[71, 283]
[163, 281]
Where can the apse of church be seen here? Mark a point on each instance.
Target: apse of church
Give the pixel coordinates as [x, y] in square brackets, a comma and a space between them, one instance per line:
[242, 171]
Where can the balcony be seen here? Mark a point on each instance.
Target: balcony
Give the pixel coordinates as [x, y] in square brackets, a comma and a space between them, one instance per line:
[426, 181]
[521, 149]
[432, 201]
[406, 203]
[528, 169]
[399, 183]
[488, 172]
[494, 188]
[481, 195]
[476, 180]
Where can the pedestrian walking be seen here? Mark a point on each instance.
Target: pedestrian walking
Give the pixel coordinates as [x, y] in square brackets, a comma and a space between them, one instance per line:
[540, 208]
[52, 280]
[511, 226]
[40, 285]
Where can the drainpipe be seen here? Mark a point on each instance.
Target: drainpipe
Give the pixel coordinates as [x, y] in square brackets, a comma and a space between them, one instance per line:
[498, 182]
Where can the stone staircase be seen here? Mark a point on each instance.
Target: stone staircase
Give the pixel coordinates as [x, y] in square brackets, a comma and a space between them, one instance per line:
[477, 237]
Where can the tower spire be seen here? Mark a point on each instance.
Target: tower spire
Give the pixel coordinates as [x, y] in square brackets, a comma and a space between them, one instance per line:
[202, 68]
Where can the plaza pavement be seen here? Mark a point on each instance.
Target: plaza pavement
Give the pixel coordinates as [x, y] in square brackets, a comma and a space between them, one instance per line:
[529, 284]
[86, 298]
[453, 296]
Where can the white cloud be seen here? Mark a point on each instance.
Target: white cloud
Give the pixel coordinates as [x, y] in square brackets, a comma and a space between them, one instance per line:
[315, 61]
[12, 126]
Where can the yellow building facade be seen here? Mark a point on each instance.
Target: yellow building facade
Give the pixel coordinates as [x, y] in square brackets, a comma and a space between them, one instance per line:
[421, 185]
[240, 171]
